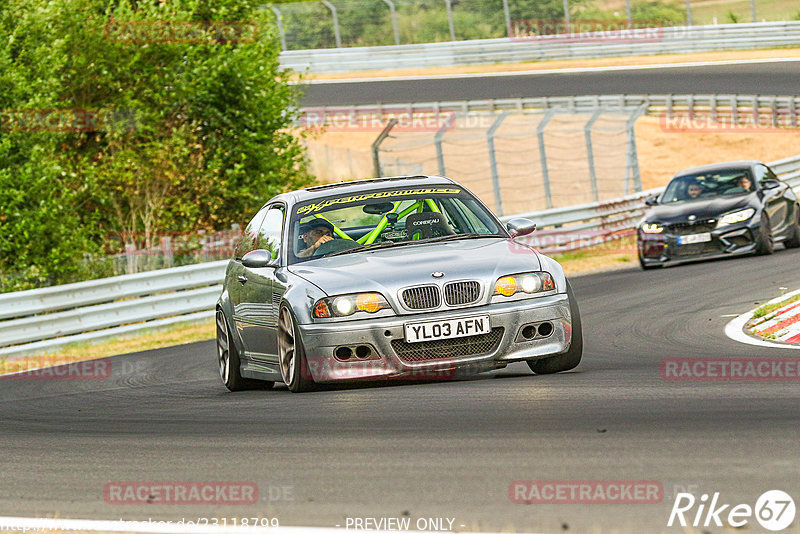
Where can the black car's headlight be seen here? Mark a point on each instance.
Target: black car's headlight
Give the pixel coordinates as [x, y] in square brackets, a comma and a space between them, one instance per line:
[345, 305]
[652, 228]
[736, 217]
[530, 283]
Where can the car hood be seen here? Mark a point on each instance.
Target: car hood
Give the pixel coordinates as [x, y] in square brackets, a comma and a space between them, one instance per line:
[701, 209]
[388, 270]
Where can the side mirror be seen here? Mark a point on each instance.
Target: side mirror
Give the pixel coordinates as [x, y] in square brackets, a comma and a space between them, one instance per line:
[259, 258]
[518, 227]
[770, 184]
[652, 200]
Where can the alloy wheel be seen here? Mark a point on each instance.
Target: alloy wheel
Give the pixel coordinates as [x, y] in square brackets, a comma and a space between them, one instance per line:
[286, 345]
[223, 348]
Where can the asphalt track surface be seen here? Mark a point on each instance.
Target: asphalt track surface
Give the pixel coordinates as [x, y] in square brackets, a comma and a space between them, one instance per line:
[778, 78]
[445, 449]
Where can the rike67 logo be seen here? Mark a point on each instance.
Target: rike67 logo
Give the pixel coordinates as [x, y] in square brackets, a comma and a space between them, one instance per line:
[774, 510]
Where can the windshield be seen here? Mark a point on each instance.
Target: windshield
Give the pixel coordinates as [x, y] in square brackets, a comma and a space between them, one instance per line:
[382, 218]
[704, 186]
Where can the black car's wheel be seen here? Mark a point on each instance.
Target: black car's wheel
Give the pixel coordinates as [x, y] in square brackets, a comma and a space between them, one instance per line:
[228, 360]
[646, 266]
[571, 358]
[294, 367]
[765, 244]
[794, 236]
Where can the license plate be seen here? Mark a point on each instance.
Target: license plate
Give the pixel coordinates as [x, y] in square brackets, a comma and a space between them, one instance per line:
[449, 329]
[694, 238]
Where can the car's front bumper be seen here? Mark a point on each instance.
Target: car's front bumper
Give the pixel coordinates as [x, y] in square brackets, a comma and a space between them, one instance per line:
[664, 248]
[392, 357]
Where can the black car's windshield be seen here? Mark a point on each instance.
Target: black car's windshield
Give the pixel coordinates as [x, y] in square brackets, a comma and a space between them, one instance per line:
[704, 186]
[383, 218]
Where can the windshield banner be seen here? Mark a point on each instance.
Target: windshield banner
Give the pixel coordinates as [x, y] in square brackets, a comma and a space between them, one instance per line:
[319, 206]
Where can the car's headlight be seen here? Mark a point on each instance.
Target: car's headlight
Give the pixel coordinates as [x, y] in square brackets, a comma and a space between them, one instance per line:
[736, 217]
[652, 228]
[524, 283]
[344, 305]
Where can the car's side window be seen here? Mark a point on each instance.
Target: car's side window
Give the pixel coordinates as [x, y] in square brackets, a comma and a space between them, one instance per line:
[477, 224]
[455, 219]
[762, 173]
[269, 235]
[249, 238]
[770, 175]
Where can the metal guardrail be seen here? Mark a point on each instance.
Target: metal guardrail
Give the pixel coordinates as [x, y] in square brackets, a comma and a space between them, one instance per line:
[42, 319]
[586, 225]
[680, 39]
[102, 316]
[49, 299]
[666, 104]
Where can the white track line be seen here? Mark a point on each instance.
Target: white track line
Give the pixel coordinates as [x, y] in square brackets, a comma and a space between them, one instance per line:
[573, 70]
[789, 332]
[735, 328]
[33, 524]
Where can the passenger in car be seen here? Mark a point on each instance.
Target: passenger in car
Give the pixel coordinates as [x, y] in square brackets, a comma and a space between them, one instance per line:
[694, 190]
[745, 183]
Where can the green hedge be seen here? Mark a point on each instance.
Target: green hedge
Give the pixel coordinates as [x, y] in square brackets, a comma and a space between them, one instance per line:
[195, 137]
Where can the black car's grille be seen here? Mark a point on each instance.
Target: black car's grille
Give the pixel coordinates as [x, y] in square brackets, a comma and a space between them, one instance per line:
[422, 297]
[687, 228]
[441, 349]
[460, 293]
[695, 249]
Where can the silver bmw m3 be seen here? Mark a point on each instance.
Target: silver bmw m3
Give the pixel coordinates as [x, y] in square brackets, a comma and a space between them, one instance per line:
[410, 278]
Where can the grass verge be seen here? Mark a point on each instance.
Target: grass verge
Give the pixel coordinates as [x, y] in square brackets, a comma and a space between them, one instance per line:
[766, 309]
[617, 254]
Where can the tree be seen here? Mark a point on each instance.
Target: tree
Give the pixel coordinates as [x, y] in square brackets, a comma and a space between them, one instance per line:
[191, 128]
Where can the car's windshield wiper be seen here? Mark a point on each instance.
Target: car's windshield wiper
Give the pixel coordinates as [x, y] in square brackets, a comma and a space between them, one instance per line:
[471, 235]
[390, 244]
[365, 247]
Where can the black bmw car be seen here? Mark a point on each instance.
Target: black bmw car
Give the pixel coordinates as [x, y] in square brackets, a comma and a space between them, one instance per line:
[717, 210]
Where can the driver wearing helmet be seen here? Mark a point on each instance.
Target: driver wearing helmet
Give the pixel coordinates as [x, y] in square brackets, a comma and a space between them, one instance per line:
[315, 233]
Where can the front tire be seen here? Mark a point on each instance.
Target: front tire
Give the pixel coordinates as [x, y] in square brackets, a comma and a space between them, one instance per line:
[794, 238]
[293, 363]
[766, 243]
[229, 363]
[571, 358]
[645, 266]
